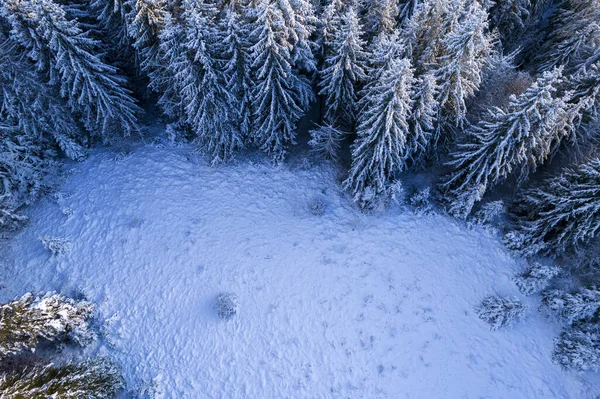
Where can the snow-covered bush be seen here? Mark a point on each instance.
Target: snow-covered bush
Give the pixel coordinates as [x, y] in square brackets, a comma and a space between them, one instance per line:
[51, 318]
[227, 305]
[317, 205]
[578, 347]
[536, 278]
[421, 202]
[572, 307]
[489, 212]
[95, 379]
[500, 311]
[57, 245]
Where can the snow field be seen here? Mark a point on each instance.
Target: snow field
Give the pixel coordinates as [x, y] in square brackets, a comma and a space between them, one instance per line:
[338, 305]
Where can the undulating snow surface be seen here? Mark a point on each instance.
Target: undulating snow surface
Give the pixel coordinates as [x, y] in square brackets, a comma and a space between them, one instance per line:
[341, 305]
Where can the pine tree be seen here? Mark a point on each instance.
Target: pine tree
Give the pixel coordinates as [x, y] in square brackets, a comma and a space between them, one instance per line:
[380, 16]
[519, 138]
[298, 24]
[344, 70]
[424, 130]
[95, 379]
[234, 50]
[561, 214]
[572, 307]
[509, 17]
[578, 347]
[536, 278]
[23, 171]
[51, 317]
[67, 54]
[380, 152]
[208, 106]
[574, 37]
[459, 67]
[326, 141]
[34, 108]
[431, 22]
[280, 96]
[500, 312]
[406, 10]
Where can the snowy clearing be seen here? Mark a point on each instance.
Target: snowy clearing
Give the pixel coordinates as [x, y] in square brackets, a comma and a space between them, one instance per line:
[338, 305]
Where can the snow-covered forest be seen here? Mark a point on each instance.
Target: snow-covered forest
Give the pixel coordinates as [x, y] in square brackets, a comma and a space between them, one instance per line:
[406, 119]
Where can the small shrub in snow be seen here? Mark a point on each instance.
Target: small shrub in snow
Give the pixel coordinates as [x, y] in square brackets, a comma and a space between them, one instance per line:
[316, 206]
[500, 312]
[578, 347]
[227, 305]
[52, 318]
[325, 142]
[489, 212]
[536, 278]
[96, 379]
[572, 307]
[421, 201]
[56, 245]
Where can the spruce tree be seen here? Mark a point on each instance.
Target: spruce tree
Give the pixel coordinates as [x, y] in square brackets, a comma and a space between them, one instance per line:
[52, 317]
[209, 107]
[574, 37]
[68, 57]
[424, 130]
[519, 138]
[344, 70]
[380, 16]
[237, 71]
[578, 347]
[34, 108]
[459, 66]
[280, 96]
[560, 215]
[95, 379]
[500, 311]
[380, 152]
[571, 308]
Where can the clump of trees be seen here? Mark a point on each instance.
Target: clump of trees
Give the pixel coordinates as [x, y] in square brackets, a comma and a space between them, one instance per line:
[40, 323]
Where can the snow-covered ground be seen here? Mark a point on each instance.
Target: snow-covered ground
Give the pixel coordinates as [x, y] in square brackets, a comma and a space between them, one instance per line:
[341, 305]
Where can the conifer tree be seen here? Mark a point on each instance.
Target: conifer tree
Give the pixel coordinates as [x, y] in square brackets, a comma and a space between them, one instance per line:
[516, 139]
[67, 55]
[95, 379]
[424, 132]
[344, 70]
[380, 152]
[500, 311]
[380, 16]
[509, 17]
[574, 37]
[23, 170]
[560, 215]
[234, 51]
[572, 307]
[26, 321]
[406, 10]
[209, 106]
[536, 278]
[459, 66]
[280, 96]
[35, 109]
[578, 347]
